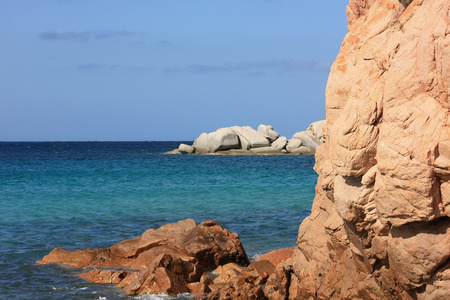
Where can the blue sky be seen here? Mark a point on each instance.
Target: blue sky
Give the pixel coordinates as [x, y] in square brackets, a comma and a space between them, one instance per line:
[148, 70]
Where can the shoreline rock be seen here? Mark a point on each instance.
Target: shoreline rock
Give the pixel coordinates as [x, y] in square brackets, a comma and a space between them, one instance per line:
[237, 140]
[174, 259]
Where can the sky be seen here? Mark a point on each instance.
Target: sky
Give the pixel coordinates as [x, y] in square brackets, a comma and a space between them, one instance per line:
[163, 70]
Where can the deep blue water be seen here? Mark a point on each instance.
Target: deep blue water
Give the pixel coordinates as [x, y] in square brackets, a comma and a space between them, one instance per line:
[78, 195]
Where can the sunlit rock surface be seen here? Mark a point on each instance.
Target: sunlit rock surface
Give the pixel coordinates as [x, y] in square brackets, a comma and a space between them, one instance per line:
[380, 225]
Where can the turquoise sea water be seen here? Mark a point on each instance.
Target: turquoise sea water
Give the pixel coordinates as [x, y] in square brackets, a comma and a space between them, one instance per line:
[78, 195]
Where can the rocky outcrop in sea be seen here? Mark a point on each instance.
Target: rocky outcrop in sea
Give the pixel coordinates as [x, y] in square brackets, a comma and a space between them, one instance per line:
[244, 140]
[204, 260]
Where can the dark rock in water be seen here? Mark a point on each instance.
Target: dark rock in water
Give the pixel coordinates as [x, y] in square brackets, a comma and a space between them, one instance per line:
[171, 259]
[213, 245]
[105, 276]
[207, 244]
[84, 258]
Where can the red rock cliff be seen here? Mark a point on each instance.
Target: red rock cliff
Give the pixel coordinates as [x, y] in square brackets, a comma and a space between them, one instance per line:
[380, 225]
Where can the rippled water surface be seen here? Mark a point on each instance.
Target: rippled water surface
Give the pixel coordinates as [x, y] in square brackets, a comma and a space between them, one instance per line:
[95, 194]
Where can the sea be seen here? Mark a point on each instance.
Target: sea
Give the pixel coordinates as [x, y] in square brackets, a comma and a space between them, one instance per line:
[78, 195]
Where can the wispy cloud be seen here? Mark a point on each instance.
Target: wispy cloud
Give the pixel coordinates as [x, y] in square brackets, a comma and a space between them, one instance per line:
[259, 67]
[256, 74]
[95, 66]
[165, 43]
[84, 36]
[246, 69]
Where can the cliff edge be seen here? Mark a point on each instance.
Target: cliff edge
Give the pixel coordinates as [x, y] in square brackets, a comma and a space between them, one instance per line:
[380, 225]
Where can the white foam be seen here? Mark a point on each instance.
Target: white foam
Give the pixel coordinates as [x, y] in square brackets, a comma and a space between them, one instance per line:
[256, 256]
[164, 297]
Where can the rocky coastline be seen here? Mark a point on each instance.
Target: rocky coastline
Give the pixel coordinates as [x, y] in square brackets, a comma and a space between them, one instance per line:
[204, 260]
[380, 222]
[244, 140]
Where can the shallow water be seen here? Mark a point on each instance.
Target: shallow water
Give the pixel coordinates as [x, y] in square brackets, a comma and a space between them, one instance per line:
[95, 194]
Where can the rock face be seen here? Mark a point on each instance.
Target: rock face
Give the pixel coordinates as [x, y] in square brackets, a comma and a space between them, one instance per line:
[380, 226]
[236, 140]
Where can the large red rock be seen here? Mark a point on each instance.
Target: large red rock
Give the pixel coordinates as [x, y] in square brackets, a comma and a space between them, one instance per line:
[166, 275]
[84, 258]
[237, 288]
[236, 282]
[213, 245]
[170, 259]
[207, 244]
[227, 272]
[279, 282]
[160, 281]
[277, 256]
[259, 271]
[379, 226]
[105, 276]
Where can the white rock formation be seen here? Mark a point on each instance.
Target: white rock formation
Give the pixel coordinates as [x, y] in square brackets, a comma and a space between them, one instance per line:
[186, 149]
[237, 140]
[267, 130]
[293, 144]
[280, 143]
[201, 144]
[315, 131]
[251, 137]
[222, 139]
[306, 140]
